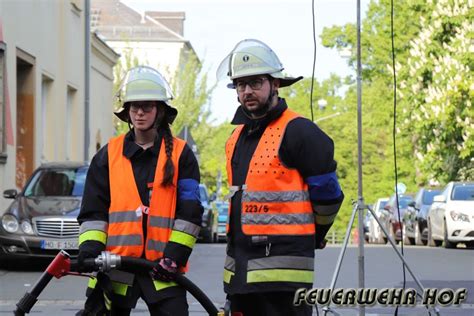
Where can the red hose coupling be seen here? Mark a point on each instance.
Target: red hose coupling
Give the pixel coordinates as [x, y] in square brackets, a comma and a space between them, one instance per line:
[60, 266]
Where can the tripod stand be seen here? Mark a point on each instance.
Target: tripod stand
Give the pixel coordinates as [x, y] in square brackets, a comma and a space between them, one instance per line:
[360, 206]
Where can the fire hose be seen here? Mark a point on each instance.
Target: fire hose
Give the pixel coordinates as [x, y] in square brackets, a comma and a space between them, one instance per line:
[62, 265]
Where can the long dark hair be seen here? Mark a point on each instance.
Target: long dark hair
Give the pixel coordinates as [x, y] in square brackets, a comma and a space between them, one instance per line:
[168, 169]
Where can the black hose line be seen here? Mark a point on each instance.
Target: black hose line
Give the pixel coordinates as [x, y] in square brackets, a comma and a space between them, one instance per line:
[129, 264]
[137, 265]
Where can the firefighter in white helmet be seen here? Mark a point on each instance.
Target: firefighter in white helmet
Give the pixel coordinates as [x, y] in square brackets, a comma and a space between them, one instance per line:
[141, 199]
[284, 190]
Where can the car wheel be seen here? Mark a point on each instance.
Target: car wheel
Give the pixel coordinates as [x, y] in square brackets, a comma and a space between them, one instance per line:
[379, 235]
[431, 241]
[393, 235]
[382, 234]
[418, 240]
[406, 239]
[447, 243]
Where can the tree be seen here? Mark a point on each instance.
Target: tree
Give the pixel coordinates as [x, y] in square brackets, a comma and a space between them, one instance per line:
[191, 96]
[437, 92]
[377, 103]
[192, 101]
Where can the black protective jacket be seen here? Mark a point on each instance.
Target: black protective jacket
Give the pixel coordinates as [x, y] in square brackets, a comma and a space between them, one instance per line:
[96, 202]
[306, 148]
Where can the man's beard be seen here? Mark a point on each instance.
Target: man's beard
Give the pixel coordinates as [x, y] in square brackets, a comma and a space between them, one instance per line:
[261, 109]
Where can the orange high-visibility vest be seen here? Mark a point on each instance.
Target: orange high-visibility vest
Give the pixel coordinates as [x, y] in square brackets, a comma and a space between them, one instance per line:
[275, 199]
[125, 232]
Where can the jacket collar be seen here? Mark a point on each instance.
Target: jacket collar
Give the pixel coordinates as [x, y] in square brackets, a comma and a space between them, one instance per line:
[242, 117]
[130, 148]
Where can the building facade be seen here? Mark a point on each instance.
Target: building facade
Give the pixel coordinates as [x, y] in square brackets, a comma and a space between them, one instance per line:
[152, 38]
[42, 88]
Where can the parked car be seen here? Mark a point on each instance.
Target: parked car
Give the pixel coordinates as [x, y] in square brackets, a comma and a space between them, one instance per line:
[451, 216]
[374, 232]
[42, 218]
[223, 213]
[367, 218]
[415, 227]
[208, 232]
[390, 215]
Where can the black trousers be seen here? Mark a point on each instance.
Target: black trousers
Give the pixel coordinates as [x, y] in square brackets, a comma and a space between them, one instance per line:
[173, 306]
[268, 304]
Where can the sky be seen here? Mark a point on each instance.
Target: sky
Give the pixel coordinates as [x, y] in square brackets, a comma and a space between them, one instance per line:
[214, 27]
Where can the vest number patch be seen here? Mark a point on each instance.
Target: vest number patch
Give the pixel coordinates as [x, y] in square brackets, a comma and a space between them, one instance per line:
[253, 208]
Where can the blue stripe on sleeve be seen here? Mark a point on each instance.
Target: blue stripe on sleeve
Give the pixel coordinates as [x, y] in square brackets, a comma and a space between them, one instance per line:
[323, 187]
[188, 189]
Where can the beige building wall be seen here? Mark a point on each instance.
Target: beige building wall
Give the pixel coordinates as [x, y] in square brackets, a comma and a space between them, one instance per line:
[49, 34]
[103, 59]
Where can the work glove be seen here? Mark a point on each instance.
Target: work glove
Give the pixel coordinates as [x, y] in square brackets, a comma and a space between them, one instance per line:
[88, 249]
[165, 270]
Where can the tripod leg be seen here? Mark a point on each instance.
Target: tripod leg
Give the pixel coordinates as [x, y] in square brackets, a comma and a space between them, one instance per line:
[400, 255]
[326, 308]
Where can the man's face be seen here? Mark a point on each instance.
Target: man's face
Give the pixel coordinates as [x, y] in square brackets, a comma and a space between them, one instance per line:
[143, 114]
[253, 93]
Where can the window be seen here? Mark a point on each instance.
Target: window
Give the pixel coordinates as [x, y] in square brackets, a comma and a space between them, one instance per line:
[71, 123]
[463, 192]
[3, 145]
[57, 182]
[45, 139]
[429, 196]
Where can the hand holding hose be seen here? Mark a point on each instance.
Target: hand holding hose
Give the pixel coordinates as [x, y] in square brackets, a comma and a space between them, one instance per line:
[165, 270]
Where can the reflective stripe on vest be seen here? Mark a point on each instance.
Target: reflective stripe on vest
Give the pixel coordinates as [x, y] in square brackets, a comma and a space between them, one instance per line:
[125, 235]
[275, 199]
[281, 269]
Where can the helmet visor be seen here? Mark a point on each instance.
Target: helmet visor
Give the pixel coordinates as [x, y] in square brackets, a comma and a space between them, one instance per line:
[249, 57]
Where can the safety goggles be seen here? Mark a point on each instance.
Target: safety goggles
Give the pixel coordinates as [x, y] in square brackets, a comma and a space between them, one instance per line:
[146, 107]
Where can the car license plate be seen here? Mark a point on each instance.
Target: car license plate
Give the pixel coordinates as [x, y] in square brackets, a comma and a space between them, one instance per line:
[60, 244]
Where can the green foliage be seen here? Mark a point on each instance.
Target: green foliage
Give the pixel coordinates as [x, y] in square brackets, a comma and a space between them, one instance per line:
[213, 159]
[437, 93]
[191, 96]
[377, 103]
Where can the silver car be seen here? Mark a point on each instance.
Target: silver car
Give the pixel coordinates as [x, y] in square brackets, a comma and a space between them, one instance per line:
[375, 233]
[42, 217]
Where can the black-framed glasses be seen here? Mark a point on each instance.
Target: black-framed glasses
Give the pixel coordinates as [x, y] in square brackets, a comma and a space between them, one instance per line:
[255, 84]
[146, 107]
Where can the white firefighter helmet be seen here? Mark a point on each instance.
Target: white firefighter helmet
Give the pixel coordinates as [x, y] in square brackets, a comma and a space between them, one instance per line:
[252, 57]
[144, 83]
